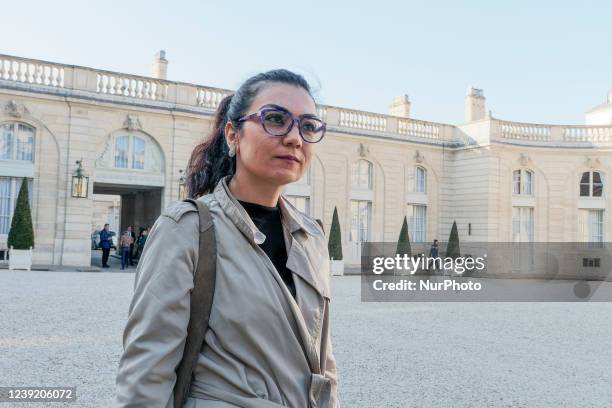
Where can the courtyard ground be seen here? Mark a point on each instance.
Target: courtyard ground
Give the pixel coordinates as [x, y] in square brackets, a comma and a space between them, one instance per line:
[64, 329]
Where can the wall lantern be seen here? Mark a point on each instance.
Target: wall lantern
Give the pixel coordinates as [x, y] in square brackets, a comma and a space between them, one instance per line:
[182, 186]
[80, 181]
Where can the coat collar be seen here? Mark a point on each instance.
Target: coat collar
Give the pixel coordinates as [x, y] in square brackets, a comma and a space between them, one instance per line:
[291, 216]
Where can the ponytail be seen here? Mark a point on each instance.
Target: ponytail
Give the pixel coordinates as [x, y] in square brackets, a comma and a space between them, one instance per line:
[209, 161]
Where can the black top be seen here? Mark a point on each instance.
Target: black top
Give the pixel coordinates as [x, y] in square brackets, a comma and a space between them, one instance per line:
[268, 221]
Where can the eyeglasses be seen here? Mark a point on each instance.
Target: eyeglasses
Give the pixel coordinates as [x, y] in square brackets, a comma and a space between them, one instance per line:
[279, 122]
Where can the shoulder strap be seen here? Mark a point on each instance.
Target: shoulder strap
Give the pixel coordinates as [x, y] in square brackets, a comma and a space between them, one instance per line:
[201, 303]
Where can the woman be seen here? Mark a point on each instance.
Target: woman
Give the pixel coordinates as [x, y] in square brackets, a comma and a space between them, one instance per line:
[268, 340]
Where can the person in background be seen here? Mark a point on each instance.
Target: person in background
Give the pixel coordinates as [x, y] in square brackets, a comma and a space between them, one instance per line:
[125, 243]
[433, 253]
[105, 244]
[136, 252]
[141, 242]
[131, 254]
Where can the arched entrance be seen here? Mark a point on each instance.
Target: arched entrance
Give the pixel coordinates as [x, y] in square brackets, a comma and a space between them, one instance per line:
[127, 185]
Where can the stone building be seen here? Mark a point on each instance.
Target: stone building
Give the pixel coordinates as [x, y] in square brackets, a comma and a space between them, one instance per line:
[500, 181]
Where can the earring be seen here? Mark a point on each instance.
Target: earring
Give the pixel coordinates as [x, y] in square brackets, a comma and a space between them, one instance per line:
[232, 150]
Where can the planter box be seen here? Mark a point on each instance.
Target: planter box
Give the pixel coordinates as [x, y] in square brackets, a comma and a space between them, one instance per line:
[336, 267]
[20, 259]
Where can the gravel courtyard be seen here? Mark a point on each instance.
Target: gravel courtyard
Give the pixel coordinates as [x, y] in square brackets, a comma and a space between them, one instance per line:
[64, 329]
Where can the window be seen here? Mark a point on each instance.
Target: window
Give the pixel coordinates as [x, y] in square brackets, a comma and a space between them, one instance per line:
[591, 184]
[298, 193]
[523, 252]
[522, 182]
[596, 226]
[361, 216]
[362, 174]
[16, 142]
[417, 216]
[121, 152]
[421, 180]
[591, 227]
[129, 152]
[138, 153]
[591, 262]
[9, 190]
[522, 224]
[300, 202]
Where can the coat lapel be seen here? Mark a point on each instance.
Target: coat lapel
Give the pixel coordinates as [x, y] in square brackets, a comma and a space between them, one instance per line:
[302, 259]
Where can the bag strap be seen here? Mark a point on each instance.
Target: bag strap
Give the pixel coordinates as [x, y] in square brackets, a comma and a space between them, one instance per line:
[201, 303]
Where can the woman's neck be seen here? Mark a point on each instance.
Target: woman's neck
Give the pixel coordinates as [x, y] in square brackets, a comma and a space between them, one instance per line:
[254, 190]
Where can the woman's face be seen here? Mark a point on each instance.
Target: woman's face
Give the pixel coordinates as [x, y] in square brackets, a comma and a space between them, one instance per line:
[259, 153]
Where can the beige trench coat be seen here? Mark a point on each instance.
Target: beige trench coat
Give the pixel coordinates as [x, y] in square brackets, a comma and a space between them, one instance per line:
[263, 348]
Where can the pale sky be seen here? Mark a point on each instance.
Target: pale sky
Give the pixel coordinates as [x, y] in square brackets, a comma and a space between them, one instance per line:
[546, 64]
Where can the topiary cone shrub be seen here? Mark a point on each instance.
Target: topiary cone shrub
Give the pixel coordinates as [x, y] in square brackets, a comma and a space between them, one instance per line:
[21, 234]
[452, 250]
[334, 244]
[403, 242]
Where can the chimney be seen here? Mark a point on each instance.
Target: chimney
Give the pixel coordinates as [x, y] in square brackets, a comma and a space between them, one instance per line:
[160, 66]
[474, 105]
[610, 97]
[400, 106]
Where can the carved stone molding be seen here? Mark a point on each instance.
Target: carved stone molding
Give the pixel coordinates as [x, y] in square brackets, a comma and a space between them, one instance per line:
[524, 160]
[132, 123]
[363, 150]
[418, 157]
[592, 163]
[14, 109]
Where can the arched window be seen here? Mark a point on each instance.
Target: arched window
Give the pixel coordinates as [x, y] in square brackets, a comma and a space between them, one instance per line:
[299, 192]
[16, 142]
[129, 152]
[362, 174]
[591, 184]
[523, 182]
[420, 180]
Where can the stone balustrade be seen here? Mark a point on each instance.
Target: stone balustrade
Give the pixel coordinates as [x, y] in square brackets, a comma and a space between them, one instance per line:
[525, 131]
[362, 120]
[418, 128]
[587, 134]
[36, 73]
[132, 86]
[210, 97]
[31, 71]
[556, 134]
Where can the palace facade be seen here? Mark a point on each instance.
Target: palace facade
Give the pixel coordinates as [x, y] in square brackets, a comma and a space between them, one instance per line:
[500, 181]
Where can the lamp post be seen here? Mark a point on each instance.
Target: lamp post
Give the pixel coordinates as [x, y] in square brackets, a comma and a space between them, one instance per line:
[182, 186]
[80, 181]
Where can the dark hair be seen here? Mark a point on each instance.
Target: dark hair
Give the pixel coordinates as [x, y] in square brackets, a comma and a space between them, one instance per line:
[209, 161]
